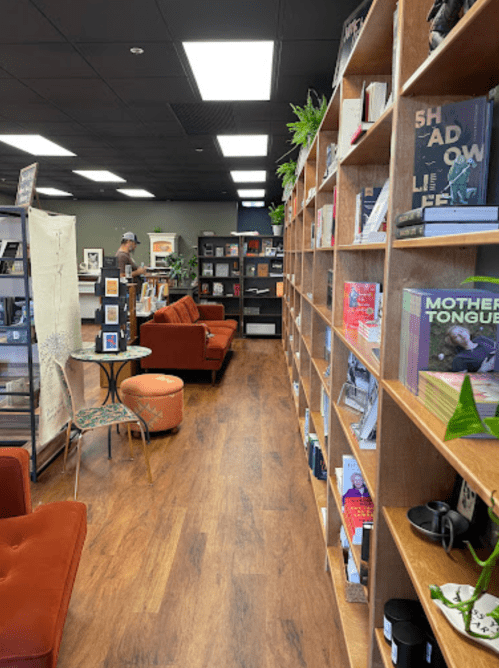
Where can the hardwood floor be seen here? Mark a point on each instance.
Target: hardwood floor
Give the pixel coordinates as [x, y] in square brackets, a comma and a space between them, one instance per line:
[220, 564]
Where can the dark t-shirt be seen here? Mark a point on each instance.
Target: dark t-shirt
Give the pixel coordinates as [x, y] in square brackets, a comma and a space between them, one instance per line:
[471, 360]
[123, 260]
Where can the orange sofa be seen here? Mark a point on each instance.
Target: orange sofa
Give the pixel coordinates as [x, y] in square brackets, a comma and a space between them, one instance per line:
[186, 335]
[39, 556]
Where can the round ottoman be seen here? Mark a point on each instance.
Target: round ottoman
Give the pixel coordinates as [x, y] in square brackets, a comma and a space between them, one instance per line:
[157, 398]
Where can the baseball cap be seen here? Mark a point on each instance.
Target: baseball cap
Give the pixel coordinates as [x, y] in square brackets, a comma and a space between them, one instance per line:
[130, 236]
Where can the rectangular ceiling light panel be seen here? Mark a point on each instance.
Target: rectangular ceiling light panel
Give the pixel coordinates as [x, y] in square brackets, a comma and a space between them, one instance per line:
[35, 144]
[241, 146]
[249, 176]
[99, 175]
[135, 192]
[256, 192]
[54, 192]
[231, 70]
[253, 205]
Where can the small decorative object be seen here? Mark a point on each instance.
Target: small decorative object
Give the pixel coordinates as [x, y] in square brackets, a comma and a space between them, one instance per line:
[93, 258]
[444, 15]
[473, 612]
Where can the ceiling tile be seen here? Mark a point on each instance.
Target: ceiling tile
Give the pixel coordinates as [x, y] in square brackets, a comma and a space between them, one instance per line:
[315, 20]
[153, 90]
[52, 60]
[308, 57]
[115, 60]
[132, 21]
[23, 23]
[220, 19]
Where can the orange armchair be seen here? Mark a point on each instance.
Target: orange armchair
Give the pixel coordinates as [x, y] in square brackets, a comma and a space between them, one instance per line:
[39, 556]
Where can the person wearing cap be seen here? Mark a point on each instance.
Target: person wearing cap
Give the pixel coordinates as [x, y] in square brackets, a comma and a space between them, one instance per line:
[129, 243]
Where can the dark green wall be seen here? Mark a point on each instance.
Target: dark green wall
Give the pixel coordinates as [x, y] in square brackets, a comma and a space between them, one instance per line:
[101, 224]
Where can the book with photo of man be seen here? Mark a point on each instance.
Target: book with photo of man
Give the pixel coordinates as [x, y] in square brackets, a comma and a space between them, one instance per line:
[447, 330]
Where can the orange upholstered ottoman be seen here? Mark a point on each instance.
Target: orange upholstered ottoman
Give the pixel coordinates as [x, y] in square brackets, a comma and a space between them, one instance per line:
[156, 398]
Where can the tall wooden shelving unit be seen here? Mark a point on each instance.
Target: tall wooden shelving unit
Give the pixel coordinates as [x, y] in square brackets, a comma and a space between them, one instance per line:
[412, 463]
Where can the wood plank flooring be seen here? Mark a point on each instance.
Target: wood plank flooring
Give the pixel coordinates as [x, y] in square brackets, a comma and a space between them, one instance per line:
[220, 564]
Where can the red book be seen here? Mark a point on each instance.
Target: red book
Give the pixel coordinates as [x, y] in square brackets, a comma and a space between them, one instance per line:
[360, 302]
[356, 512]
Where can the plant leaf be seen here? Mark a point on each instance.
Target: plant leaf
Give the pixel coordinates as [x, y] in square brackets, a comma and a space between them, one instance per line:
[465, 421]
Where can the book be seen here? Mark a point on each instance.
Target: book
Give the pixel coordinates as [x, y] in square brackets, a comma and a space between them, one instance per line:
[218, 289]
[360, 302]
[364, 203]
[375, 100]
[451, 153]
[262, 269]
[279, 289]
[207, 269]
[351, 112]
[327, 343]
[442, 229]
[452, 214]
[447, 330]
[329, 289]
[360, 131]
[374, 223]
[327, 226]
[356, 512]
[354, 486]
[222, 269]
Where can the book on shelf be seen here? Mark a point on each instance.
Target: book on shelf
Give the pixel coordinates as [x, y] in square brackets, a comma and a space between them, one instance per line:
[251, 270]
[351, 113]
[218, 289]
[375, 100]
[439, 393]
[448, 214]
[306, 427]
[253, 247]
[353, 486]
[222, 269]
[329, 289]
[364, 203]
[370, 330]
[279, 289]
[365, 429]
[207, 269]
[237, 289]
[219, 251]
[360, 131]
[357, 511]
[205, 289]
[360, 302]
[327, 343]
[447, 330]
[231, 249]
[349, 35]
[451, 153]
[262, 269]
[442, 229]
[331, 160]
[373, 230]
[327, 227]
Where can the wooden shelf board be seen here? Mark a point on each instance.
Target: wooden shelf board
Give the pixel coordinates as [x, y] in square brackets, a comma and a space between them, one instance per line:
[439, 75]
[482, 472]
[374, 45]
[374, 147]
[337, 497]
[361, 349]
[471, 239]
[328, 184]
[384, 648]
[307, 340]
[366, 459]
[354, 617]
[361, 247]
[427, 563]
[306, 388]
[320, 494]
[325, 313]
[320, 366]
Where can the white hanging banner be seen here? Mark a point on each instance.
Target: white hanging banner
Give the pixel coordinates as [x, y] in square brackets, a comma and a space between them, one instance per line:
[57, 313]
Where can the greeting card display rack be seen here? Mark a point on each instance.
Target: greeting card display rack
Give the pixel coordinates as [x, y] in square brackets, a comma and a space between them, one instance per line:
[412, 463]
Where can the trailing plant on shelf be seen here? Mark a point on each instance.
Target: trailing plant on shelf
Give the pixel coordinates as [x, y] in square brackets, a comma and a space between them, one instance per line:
[287, 172]
[309, 119]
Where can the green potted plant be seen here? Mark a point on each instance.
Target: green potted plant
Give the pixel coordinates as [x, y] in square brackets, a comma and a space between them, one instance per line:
[309, 119]
[182, 270]
[276, 214]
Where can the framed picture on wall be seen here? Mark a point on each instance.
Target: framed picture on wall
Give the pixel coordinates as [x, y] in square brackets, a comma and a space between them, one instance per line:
[93, 258]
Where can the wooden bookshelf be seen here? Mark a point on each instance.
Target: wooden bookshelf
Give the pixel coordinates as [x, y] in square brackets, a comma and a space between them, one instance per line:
[412, 462]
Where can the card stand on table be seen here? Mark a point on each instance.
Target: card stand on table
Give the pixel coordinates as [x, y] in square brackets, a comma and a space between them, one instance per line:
[112, 314]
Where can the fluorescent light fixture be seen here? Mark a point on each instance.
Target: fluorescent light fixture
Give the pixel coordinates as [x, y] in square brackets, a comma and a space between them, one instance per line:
[35, 144]
[55, 192]
[99, 175]
[248, 176]
[256, 192]
[253, 205]
[231, 70]
[240, 146]
[135, 192]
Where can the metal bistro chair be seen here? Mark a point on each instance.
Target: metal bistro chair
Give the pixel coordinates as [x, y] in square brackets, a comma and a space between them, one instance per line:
[85, 419]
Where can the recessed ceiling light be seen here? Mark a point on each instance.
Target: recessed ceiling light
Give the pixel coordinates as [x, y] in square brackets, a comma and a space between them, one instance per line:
[253, 205]
[243, 145]
[53, 191]
[136, 50]
[231, 70]
[199, 150]
[35, 144]
[135, 192]
[99, 175]
[249, 176]
[256, 192]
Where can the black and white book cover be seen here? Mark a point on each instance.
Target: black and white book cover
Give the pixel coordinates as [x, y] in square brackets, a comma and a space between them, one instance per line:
[451, 153]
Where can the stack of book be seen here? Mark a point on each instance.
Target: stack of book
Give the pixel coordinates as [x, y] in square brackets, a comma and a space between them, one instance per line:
[436, 221]
[439, 392]
[370, 330]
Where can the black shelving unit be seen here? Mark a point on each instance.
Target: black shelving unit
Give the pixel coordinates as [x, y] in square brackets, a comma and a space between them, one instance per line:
[262, 261]
[18, 431]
